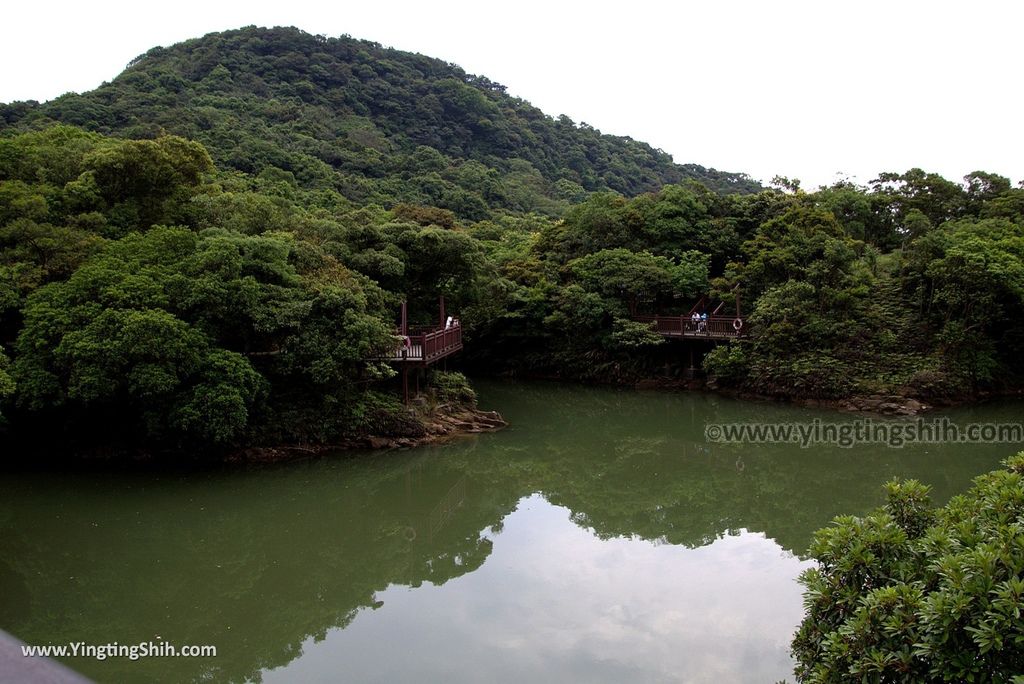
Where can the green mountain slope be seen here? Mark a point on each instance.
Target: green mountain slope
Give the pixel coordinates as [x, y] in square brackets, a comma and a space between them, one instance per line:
[377, 124]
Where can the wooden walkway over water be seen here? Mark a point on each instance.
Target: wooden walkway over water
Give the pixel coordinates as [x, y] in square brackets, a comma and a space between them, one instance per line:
[417, 348]
[718, 328]
[704, 321]
[426, 346]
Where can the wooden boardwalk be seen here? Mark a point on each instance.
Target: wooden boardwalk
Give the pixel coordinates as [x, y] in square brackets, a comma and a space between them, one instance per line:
[417, 348]
[717, 328]
[424, 347]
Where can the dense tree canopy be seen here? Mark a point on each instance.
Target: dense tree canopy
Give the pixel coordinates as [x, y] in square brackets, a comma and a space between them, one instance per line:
[168, 325]
[376, 124]
[217, 249]
[837, 310]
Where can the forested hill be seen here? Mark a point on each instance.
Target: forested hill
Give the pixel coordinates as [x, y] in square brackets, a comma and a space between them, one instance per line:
[377, 124]
[238, 284]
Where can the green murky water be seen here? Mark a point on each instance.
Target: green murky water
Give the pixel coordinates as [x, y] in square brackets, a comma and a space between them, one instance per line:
[600, 538]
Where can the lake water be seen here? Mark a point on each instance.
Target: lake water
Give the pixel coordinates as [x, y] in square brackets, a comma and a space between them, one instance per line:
[600, 538]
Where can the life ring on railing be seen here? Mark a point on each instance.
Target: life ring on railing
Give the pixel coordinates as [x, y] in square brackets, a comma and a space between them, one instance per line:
[410, 534]
[737, 325]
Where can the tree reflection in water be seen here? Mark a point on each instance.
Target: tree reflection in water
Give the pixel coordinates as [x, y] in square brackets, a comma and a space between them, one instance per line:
[267, 562]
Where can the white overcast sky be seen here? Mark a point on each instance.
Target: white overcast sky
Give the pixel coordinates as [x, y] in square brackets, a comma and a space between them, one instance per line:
[801, 89]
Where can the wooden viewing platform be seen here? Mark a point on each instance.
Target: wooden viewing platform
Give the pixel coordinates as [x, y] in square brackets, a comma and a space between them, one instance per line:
[718, 326]
[417, 348]
[424, 347]
[683, 326]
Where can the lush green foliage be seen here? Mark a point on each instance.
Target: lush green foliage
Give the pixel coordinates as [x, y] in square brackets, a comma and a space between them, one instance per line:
[142, 285]
[168, 328]
[940, 317]
[453, 387]
[811, 290]
[106, 186]
[914, 594]
[376, 124]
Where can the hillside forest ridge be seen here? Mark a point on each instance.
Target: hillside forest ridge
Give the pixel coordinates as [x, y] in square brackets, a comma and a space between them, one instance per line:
[210, 252]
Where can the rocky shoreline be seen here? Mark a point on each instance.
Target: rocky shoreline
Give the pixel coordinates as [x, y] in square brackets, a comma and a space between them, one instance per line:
[891, 404]
[446, 422]
[886, 405]
[441, 424]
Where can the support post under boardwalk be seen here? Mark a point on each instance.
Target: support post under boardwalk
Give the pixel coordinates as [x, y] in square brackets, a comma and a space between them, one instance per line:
[405, 383]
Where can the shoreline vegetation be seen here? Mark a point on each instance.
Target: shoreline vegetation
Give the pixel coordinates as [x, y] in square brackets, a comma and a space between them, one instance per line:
[443, 427]
[892, 404]
[427, 425]
[203, 261]
[209, 253]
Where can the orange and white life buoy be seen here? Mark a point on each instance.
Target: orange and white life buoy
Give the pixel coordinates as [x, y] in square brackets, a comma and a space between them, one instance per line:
[737, 325]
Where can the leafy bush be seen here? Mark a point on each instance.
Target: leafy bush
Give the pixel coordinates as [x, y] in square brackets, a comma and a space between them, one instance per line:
[936, 384]
[727, 364]
[914, 594]
[453, 387]
[630, 335]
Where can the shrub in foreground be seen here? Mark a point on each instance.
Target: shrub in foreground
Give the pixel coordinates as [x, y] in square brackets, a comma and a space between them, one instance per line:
[911, 593]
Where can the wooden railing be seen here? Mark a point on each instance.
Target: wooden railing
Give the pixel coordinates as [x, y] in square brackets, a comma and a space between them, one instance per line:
[441, 342]
[715, 327]
[427, 345]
